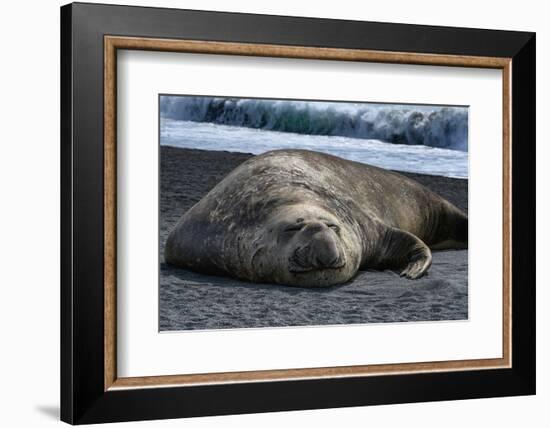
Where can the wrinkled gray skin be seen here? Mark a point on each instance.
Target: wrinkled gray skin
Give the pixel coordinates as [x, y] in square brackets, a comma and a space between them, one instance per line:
[309, 219]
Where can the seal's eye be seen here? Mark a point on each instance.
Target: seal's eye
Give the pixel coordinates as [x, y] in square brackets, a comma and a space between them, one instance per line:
[294, 228]
[334, 227]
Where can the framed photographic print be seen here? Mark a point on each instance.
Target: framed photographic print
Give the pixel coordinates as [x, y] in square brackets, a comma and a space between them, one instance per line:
[265, 213]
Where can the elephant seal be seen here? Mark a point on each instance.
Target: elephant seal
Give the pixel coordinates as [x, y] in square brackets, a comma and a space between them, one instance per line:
[310, 219]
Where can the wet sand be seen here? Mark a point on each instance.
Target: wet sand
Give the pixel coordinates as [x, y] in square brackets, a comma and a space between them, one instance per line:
[191, 301]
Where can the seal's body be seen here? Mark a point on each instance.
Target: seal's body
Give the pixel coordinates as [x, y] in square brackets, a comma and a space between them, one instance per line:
[310, 219]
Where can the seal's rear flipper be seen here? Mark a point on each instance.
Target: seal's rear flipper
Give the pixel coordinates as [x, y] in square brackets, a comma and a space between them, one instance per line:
[405, 253]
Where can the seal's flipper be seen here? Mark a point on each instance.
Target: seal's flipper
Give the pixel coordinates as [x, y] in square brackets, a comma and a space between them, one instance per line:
[405, 253]
[419, 263]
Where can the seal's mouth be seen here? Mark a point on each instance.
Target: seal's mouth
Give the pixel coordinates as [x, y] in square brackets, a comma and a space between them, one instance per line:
[302, 262]
[295, 268]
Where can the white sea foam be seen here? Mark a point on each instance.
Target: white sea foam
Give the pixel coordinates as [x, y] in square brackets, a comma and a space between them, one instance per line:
[400, 157]
[434, 126]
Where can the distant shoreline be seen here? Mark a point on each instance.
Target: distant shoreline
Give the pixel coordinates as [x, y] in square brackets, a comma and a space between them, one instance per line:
[394, 154]
[252, 154]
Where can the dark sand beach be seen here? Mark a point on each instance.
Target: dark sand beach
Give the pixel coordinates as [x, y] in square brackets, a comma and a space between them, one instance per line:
[191, 301]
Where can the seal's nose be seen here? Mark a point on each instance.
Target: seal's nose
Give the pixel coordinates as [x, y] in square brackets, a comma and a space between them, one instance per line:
[325, 250]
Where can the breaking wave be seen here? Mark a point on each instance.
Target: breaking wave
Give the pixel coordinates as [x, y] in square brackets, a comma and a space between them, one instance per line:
[443, 127]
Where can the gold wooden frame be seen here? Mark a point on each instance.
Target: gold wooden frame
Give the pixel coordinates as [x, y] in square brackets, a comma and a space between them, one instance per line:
[113, 43]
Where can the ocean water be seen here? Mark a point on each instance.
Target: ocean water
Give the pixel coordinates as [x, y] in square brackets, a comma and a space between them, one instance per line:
[433, 126]
[420, 158]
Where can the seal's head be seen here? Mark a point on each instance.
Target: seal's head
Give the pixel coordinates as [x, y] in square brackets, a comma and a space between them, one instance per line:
[307, 246]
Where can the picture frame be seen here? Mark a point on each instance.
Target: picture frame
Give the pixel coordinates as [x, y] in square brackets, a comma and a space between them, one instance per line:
[91, 391]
